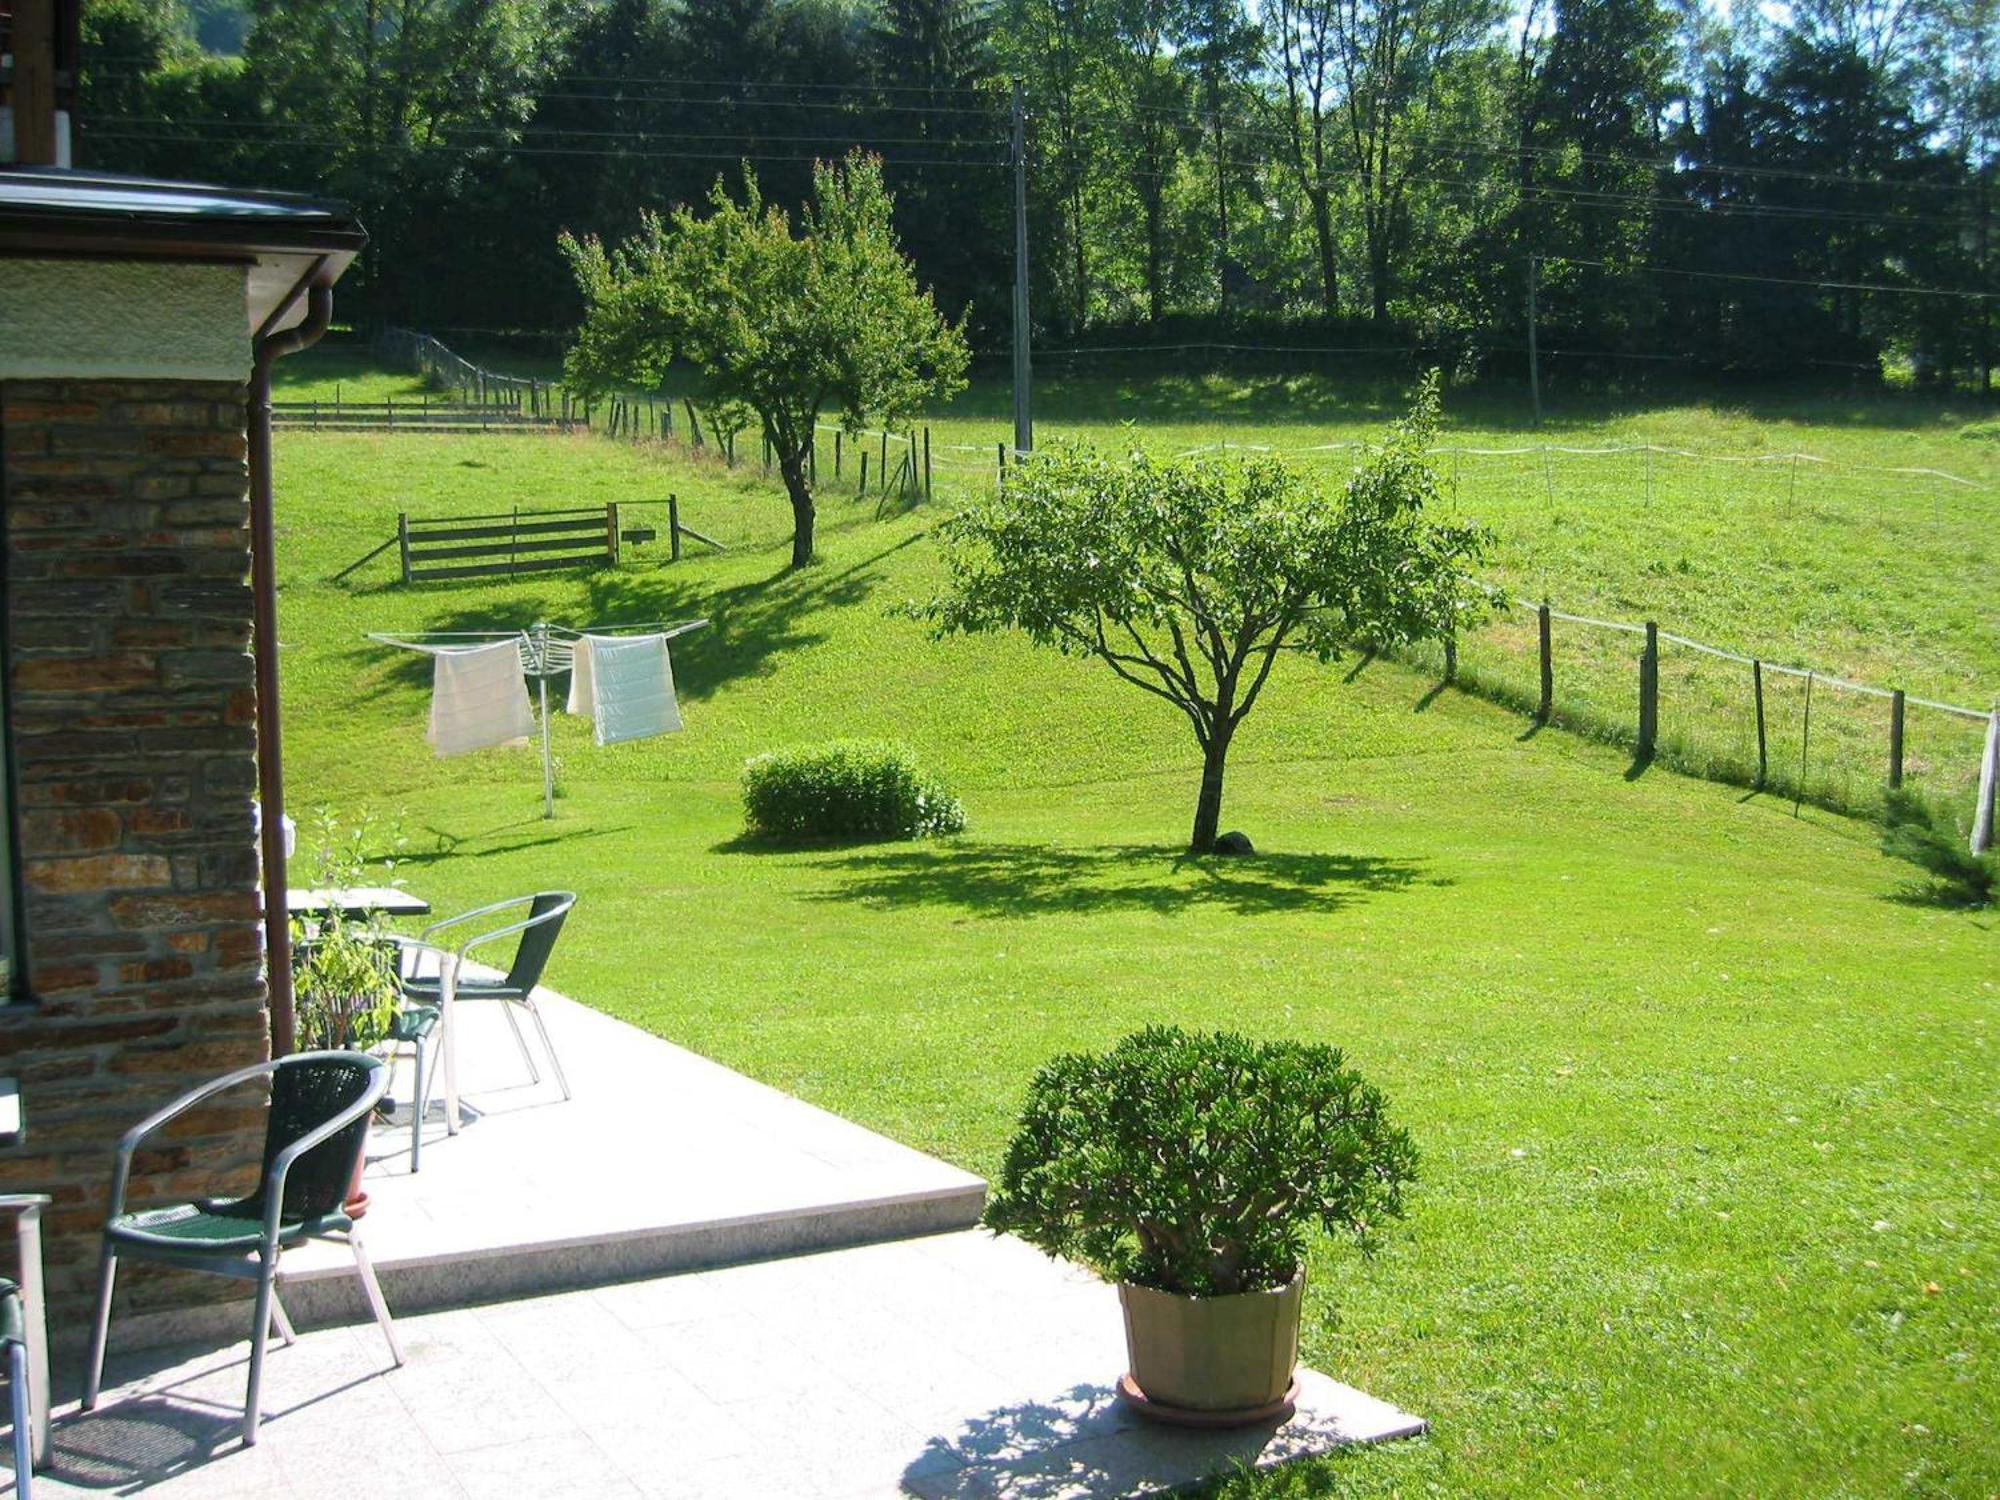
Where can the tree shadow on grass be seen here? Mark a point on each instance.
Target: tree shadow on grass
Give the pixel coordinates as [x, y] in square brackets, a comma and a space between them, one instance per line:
[749, 624]
[1022, 880]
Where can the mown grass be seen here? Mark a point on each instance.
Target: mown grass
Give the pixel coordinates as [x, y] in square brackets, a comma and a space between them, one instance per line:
[1707, 1101]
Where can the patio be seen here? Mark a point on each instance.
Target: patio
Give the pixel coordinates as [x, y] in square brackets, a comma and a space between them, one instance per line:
[558, 1359]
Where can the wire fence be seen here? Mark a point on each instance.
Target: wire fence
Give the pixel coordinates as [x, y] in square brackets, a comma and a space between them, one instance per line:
[1794, 732]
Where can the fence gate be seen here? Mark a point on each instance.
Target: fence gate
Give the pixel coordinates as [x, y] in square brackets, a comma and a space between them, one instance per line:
[520, 541]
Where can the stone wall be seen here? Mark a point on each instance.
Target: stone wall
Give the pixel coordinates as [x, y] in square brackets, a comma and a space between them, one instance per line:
[132, 709]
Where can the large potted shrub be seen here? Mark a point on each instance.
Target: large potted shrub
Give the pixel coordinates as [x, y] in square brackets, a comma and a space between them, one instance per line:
[1190, 1169]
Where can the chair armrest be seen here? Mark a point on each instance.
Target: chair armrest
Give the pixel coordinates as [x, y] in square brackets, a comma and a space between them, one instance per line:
[24, 1202]
[128, 1144]
[473, 915]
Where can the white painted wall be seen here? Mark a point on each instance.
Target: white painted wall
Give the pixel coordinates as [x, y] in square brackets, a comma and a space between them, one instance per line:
[139, 320]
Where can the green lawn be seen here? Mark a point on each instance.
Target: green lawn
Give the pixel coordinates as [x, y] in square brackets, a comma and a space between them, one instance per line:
[1844, 567]
[1708, 1105]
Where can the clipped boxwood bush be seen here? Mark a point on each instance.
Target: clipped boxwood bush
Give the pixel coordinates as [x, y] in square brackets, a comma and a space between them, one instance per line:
[1196, 1163]
[846, 789]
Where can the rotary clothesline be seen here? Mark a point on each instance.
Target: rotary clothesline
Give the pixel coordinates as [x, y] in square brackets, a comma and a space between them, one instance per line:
[470, 684]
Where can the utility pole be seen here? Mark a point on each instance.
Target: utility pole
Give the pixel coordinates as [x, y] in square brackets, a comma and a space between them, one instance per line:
[1534, 357]
[1024, 423]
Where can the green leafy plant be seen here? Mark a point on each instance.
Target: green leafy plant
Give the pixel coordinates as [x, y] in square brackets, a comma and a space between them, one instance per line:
[1196, 1163]
[846, 789]
[344, 990]
[1188, 578]
[1912, 830]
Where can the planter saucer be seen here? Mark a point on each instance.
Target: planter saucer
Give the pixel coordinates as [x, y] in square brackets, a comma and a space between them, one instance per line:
[1188, 1416]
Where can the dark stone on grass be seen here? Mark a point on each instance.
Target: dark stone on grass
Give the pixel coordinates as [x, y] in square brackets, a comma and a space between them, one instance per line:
[1236, 843]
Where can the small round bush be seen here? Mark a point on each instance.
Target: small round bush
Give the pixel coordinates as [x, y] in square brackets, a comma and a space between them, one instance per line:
[1196, 1163]
[846, 789]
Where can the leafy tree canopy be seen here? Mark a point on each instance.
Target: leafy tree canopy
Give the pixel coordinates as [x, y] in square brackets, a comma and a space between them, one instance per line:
[1187, 579]
[781, 324]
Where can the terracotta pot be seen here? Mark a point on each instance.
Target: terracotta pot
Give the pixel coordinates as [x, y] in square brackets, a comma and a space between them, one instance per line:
[356, 1203]
[1216, 1361]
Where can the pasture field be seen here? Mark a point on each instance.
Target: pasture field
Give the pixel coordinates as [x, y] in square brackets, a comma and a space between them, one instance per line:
[1705, 1091]
[1868, 565]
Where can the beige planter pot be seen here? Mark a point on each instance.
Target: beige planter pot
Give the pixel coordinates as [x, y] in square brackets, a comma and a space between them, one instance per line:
[1212, 1359]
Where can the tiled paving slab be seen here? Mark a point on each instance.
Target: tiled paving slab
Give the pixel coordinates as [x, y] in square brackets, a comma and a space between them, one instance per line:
[661, 1161]
[948, 1367]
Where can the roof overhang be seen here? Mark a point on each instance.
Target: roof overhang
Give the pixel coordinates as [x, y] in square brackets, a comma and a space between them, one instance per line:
[283, 239]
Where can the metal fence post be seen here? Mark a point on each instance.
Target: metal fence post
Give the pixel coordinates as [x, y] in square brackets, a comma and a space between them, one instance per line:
[1763, 748]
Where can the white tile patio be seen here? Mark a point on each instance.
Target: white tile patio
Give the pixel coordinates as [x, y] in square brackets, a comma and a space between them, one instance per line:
[661, 1161]
[946, 1367]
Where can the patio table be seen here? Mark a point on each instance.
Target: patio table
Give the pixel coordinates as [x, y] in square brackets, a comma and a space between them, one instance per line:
[355, 901]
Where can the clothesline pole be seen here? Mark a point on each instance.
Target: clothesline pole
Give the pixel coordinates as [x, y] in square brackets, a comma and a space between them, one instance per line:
[542, 683]
[548, 766]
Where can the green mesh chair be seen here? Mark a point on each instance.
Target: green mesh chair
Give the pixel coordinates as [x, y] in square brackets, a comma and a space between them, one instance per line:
[314, 1134]
[434, 976]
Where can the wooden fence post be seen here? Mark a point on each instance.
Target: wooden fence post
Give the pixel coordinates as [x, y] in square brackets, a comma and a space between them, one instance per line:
[1649, 693]
[836, 452]
[1896, 739]
[1763, 746]
[882, 465]
[403, 541]
[674, 527]
[1547, 709]
[927, 463]
[612, 538]
[864, 473]
[1451, 657]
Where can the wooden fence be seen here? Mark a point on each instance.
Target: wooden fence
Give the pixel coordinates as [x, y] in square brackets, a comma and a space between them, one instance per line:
[419, 415]
[507, 542]
[523, 541]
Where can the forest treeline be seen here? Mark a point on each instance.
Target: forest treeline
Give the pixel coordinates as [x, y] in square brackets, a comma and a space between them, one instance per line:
[1801, 189]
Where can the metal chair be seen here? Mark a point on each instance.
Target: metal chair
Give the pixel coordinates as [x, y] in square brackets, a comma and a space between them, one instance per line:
[14, 1339]
[314, 1134]
[24, 1336]
[450, 986]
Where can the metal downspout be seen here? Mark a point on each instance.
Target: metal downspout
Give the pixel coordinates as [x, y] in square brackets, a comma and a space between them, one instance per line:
[268, 349]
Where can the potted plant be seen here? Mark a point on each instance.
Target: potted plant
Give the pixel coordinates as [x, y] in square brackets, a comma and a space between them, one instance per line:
[345, 993]
[1189, 1169]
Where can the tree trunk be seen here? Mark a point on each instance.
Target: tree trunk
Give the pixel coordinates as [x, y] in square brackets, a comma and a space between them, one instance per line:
[1329, 271]
[798, 485]
[1208, 806]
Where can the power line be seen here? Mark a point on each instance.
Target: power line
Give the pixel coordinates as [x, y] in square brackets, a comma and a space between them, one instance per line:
[1830, 286]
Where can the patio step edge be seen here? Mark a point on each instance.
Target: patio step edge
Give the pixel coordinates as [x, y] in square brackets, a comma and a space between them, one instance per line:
[326, 1296]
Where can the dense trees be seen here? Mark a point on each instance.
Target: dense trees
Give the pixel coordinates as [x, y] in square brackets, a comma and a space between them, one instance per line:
[1332, 171]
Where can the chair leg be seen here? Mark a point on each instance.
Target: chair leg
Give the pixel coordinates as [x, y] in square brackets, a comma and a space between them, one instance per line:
[100, 1333]
[366, 1270]
[280, 1322]
[24, 1421]
[260, 1333]
[420, 1098]
[521, 1042]
[548, 1046]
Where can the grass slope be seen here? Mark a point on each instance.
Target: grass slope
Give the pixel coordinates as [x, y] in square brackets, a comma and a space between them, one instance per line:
[1708, 1113]
[1846, 567]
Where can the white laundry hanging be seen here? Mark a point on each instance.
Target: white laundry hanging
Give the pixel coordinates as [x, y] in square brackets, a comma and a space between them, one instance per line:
[479, 698]
[626, 684]
[543, 651]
